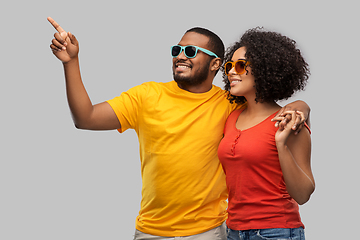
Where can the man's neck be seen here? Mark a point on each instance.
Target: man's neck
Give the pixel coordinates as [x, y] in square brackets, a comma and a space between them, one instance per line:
[200, 88]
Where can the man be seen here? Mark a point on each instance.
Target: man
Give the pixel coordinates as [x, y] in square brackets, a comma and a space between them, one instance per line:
[179, 125]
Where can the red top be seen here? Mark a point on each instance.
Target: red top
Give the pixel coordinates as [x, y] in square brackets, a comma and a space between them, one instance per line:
[258, 198]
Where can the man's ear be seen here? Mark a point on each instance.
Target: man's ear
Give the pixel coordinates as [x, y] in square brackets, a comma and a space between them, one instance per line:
[215, 64]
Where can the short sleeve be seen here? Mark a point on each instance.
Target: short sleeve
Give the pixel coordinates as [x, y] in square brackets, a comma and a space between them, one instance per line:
[127, 106]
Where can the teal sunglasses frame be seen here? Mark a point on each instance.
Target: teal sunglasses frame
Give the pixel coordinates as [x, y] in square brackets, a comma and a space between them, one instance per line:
[182, 48]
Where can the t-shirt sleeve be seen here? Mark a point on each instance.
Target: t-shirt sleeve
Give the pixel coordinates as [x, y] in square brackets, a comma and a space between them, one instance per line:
[127, 106]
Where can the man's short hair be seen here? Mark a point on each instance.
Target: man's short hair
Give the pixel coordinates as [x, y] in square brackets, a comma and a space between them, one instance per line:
[215, 44]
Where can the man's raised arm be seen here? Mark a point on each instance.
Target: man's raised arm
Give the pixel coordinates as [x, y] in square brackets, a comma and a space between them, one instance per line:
[85, 115]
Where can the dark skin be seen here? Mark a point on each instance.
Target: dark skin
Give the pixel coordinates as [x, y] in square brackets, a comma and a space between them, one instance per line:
[85, 115]
[189, 67]
[101, 116]
[283, 117]
[294, 151]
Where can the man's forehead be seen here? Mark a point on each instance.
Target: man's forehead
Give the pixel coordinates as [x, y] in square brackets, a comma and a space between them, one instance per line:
[193, 38]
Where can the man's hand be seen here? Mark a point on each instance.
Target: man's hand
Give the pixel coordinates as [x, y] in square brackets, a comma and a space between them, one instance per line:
[302, 115]
[64, 45]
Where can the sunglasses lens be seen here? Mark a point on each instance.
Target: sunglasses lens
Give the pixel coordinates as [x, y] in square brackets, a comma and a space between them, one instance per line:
[175, 51]
[240, 67]
[190, 51]
[228, 67]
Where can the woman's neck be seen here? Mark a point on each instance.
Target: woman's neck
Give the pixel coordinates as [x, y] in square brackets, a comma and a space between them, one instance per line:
[254, 113]
[256, 109]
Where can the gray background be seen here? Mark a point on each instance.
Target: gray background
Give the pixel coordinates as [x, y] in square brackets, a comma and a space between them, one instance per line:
[57, 182]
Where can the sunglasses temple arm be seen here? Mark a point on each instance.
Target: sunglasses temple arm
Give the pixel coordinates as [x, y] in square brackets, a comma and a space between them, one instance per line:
[208, 52]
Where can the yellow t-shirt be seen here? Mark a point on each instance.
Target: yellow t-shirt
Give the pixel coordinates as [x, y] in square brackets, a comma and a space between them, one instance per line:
[183, 184]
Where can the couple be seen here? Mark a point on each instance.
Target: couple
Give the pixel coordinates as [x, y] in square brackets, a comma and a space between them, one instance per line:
[180, 125]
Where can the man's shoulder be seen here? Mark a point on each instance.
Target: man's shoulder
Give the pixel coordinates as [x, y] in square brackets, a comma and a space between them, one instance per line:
[157, 85]
[148, 86]
[219, 90]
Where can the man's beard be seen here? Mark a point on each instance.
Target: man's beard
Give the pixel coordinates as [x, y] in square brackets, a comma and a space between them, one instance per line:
[199, 77]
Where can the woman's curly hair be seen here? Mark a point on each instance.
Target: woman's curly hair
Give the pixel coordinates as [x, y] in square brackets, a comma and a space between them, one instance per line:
[277, 65]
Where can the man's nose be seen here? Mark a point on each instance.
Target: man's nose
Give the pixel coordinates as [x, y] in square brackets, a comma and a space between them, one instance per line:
[182, 55]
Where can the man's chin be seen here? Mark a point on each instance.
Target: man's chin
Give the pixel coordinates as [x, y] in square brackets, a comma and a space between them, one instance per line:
[186, 80]
[182, 79]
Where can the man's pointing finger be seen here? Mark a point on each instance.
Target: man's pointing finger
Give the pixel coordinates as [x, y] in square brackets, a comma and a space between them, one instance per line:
[56, 25]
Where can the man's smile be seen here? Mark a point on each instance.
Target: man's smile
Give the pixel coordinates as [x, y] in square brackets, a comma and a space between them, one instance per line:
[180, 66]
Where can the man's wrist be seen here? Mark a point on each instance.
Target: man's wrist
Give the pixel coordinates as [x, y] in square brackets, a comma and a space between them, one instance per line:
[72, 61]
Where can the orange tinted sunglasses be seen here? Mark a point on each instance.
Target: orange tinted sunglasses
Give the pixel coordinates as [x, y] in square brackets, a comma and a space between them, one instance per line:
[239, 65]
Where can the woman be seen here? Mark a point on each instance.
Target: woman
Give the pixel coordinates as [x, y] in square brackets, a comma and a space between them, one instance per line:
[268, 170]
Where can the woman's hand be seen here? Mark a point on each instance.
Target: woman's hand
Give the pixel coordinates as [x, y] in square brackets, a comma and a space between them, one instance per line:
[292, 118]
[302, 116]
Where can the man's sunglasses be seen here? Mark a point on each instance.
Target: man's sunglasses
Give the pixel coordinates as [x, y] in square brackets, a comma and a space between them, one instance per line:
[189, 51]
[239, 65]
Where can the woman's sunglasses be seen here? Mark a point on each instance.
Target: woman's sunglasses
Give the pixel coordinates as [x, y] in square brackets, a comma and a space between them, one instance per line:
[189, 51]
[239, 65]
